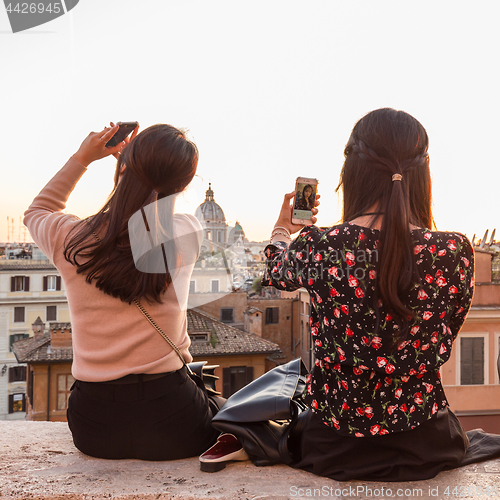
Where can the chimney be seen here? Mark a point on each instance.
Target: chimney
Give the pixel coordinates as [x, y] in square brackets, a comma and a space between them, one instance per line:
[38, 328]
[60, 335]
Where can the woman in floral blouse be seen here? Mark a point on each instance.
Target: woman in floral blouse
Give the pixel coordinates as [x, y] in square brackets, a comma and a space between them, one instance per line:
[389, 296]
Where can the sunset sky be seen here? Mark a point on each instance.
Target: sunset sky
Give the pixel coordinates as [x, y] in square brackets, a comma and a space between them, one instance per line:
[269, 91]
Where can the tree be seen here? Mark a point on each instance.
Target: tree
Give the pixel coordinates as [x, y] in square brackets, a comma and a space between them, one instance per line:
[256, 285]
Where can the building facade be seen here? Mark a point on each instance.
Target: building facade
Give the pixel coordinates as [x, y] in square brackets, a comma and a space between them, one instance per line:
[29, 288]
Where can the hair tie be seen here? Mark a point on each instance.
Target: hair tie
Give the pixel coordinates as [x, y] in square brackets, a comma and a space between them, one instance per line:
[396, 177]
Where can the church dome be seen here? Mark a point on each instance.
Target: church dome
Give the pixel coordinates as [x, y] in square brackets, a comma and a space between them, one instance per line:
[235, 233]
[209, 211]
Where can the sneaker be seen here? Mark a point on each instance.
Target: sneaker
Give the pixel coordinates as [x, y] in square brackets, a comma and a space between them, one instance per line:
[226, 449]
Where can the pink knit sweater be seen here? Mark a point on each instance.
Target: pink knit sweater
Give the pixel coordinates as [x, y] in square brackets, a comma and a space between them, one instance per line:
[111, 338]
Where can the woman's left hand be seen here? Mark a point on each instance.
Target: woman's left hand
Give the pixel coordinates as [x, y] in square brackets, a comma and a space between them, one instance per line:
[285, 216]
[94, 146]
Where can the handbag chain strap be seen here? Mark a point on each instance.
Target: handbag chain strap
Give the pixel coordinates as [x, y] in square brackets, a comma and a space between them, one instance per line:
[153, 323]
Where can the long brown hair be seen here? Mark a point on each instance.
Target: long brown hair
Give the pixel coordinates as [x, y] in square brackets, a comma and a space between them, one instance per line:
[159, 162]
[383, 143]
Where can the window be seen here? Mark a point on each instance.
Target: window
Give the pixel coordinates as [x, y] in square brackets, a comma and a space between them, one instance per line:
[227, 315]
[234, 378]
[51, 314]
[272, 315]
[192, 286]
[16, 337]
[19, 315]
[64, 383]
[214, 286]
[16, 403]
[51, 283]
[19, 284]
[471, 360]
[17, 374]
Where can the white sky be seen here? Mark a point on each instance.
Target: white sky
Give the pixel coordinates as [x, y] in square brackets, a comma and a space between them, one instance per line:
[269, 90]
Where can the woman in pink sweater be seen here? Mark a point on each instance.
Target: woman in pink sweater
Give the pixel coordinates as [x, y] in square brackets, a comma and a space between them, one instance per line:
[133, 397]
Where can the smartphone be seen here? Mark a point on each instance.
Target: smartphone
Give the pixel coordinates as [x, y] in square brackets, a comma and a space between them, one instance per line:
[125, 129]
[305, 196]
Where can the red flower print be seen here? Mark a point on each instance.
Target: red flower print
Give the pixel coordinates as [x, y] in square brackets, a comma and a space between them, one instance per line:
[442, 349]
[388, 317]
[452, 245]
[336, 424]
[298, 255]
[434, 408]
[416, 344]
[375, 429]
[432, 249]
[359, 435]
[434, 337]
[441, 253]
[344, 385]
[349, 332]
[357, 371]
[390, 368]
[439, 273]
[441, 282]
[398, 393]
[391, 409]
[340, 351]
[429, 278]
[421, 295]
[378, 385]
[327, 359]
[427, 315]
[336, 367]
[360, 411]
[314, 404]
[359, 293]
[369, 412]
[383, 432]
[336, 312]
[318, 298]
[353, 282]
[327, 388]
[381, 362]
[333, 271]
[333, 233]
[345, 309]
[289, 274]
[314, 331]
[345, 406]
[453, 289]
[366, 341]
[299, 279]
[372, 274]
[465, 261]
[424, 347]
[325, 321]
[427, 236]
[412, 409]
[318, 257]
[414, 330]
[309, 389]
[418, 249]
[334, 293]
[403, 407]
[442, 315]
[421, 368]
[282, 283]
[428, 387]
[462, 275]
[405, 378]
[310, 282]
[418, 398]
[349, 257]
[413, 371]
[318, 343]
[376, 342]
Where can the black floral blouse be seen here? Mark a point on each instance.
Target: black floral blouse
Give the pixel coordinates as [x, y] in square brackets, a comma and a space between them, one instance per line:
[359, 385]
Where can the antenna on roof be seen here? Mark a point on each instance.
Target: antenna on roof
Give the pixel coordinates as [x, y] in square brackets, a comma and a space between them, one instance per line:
[492, 239]
[483, 241]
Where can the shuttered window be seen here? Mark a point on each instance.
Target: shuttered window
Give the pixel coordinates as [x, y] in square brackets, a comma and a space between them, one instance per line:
[16, 403]
[227, 315]
[272, 315]
[51, 283]
[19, 284]
[234, 378]
[16, 337]
[471, 360]
[19, 316]
[17, 374]
[51, 314]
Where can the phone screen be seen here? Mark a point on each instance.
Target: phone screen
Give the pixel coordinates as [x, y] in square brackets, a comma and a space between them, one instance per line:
[305, 196]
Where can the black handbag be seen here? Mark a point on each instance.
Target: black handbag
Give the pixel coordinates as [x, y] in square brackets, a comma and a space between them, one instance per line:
[267, 413]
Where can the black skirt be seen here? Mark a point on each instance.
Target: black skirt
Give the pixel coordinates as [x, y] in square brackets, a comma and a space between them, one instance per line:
[438, 444]
[162, 419]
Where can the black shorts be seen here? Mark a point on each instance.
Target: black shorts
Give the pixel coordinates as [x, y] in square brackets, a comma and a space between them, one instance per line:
[166, 418]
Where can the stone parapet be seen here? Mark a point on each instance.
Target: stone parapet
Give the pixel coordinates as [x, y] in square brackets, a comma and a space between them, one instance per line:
[39, 461]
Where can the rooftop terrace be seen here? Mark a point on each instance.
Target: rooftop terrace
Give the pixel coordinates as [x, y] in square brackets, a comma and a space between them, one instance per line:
[39, 461]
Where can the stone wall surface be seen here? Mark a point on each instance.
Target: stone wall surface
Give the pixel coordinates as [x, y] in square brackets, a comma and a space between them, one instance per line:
[39, 461]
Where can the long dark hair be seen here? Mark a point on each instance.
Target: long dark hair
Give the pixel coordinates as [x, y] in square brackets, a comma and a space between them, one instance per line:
[383, 143]
[159, 162]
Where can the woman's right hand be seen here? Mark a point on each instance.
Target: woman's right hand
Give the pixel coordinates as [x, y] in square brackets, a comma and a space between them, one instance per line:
[94, 146]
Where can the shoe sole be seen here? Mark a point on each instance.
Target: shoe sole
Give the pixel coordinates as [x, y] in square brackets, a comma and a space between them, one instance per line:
[212, 466]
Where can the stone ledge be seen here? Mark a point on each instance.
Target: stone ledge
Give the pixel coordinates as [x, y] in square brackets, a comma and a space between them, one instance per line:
[39, 461]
